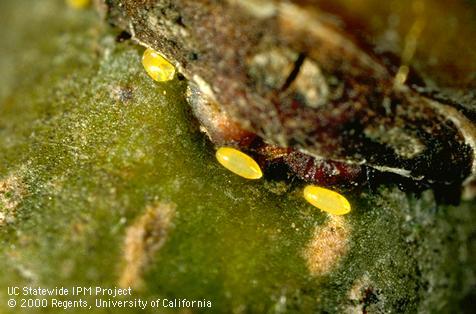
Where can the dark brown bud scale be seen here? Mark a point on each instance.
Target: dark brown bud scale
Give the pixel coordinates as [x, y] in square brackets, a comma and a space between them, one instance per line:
[283, 73]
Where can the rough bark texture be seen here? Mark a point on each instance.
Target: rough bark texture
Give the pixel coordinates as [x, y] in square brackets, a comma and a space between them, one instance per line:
[105, 179]
[284, 71]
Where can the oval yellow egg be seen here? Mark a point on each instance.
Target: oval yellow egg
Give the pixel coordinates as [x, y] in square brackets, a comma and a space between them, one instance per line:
[78, 4]
[326, 200]
[158, 68]
[238, 163]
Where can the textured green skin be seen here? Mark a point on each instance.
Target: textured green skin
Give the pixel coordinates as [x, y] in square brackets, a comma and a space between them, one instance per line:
[89, 160]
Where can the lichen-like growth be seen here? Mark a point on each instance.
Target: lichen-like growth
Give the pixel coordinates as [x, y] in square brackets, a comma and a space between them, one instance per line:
[142, 241]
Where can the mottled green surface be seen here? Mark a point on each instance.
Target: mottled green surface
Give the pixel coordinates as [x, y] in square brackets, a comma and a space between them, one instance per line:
[88, 141]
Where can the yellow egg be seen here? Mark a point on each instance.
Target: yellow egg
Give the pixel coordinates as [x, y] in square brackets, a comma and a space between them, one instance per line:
[78, 4]
[238, 163]
[326, 200]
[157, 66]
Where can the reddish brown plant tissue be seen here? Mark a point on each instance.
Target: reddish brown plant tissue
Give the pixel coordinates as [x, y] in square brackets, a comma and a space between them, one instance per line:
[282, 81]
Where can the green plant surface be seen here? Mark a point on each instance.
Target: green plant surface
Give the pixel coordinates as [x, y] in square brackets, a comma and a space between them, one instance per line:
[106, 180]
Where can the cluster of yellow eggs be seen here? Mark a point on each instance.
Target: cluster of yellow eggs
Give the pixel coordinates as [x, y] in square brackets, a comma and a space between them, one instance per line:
[160, 70]
[245, 166]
